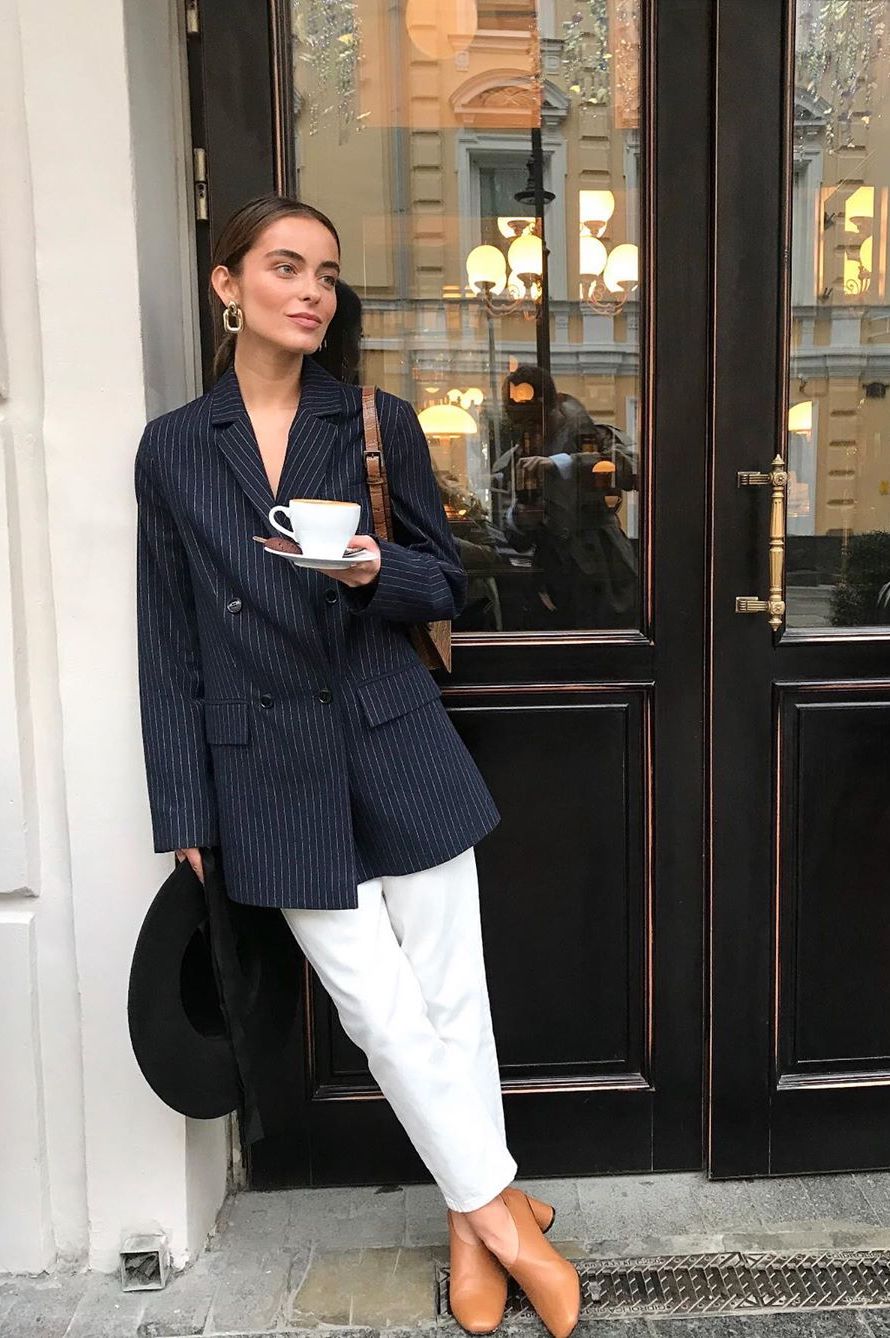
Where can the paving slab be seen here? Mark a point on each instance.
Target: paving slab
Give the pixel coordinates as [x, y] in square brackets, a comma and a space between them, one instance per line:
[179, 1310]
[877, 1323]
[425, 1221]
[251, 1295]
[875, 1185]
[44, 1306]
[619, 1207]
[842, 1325]
[368, 1287]
[350, 1217]
[839, 1199]
[104, 1311]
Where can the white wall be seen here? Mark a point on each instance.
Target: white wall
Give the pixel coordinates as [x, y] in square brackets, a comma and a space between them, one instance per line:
[97, 329]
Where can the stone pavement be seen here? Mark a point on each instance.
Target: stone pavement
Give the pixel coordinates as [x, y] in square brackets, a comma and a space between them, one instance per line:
[296, 1261]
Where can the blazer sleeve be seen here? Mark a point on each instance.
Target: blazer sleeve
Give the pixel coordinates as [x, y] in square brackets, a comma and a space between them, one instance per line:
[421, 577]
[177, 758]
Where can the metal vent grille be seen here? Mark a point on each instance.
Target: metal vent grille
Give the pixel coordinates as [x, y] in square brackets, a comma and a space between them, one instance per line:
[713, 1284]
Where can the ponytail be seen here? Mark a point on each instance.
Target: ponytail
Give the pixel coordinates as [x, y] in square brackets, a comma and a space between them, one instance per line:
[224, 355]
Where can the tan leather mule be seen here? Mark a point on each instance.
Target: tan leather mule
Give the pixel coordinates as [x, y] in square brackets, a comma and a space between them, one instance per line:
[550, 1282]
[477, 1283]
[477, 1286]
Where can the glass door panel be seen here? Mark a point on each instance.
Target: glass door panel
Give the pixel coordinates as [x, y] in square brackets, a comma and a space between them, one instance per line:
[482, 164]
[838, 428]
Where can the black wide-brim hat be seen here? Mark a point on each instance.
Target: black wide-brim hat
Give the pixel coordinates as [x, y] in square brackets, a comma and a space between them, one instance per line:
[214, 1000]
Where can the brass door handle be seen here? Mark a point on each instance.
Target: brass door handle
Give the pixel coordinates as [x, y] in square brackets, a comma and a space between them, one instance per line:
[774, 605]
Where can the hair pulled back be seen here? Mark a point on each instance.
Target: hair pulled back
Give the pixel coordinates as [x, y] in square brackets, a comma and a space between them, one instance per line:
[234, 241]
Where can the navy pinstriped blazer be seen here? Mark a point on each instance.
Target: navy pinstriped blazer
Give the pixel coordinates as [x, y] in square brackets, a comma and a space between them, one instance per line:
[285, 717]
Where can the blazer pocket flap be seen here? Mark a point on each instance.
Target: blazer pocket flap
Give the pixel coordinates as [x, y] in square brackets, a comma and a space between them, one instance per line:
[396, 694]
[227, 722]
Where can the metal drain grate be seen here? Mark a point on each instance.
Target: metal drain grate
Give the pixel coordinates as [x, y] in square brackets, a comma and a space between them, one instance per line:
[713, 1284]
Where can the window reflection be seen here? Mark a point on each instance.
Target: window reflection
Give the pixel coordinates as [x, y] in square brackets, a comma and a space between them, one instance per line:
[838, 451]
[482, 163]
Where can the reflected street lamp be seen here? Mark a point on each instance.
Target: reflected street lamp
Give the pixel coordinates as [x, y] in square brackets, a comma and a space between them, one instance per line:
[500, 294]
[608, 277]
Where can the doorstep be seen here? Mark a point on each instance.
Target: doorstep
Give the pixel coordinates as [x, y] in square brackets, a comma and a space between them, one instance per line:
[369, 1260]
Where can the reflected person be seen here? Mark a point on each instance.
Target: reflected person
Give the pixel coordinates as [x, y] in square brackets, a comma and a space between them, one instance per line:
[570, 476]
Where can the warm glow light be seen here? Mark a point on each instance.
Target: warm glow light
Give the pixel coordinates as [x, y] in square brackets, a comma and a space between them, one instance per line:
[446, 420]
[859, 206]
[596, 207]
[441, 28]
[593, 255]
[472, 395]
[505, 220]
[487, 264]
[526, 254]
[800, 417]
[622, 270]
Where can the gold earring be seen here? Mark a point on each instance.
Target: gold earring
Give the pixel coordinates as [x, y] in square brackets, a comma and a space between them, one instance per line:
[233, 319]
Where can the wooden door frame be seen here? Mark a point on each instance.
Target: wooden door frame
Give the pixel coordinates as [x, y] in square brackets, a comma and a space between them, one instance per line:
[662, 663]
[763, 1120]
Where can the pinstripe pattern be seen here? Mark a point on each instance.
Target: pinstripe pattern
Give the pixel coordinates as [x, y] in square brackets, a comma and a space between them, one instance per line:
[305, 797]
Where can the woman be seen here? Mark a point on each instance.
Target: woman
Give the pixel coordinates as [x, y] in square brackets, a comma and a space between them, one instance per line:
[287, 718]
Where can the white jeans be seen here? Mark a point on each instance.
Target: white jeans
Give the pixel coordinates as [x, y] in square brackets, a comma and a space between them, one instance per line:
[406, 974]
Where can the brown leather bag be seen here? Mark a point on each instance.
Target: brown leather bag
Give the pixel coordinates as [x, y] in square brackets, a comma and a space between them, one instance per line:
[432, 640]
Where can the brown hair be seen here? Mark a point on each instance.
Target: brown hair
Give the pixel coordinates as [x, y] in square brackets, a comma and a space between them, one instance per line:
[235, 240]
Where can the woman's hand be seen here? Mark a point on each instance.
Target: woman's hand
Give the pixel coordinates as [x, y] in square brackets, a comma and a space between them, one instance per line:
[193, 855]
[363, 572]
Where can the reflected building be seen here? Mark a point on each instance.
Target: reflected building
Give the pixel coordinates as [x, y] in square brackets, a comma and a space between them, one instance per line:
[431, 133]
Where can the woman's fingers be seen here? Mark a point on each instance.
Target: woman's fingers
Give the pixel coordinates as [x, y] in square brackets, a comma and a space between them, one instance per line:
[363, 571]
[193, 855]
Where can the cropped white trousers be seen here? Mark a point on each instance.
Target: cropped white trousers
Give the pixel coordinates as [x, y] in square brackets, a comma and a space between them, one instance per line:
[405, 971]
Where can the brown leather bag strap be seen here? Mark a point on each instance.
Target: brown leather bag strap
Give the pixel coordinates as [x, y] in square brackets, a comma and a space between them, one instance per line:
[375, 470]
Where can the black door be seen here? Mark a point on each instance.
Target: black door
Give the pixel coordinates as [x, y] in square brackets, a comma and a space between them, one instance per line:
[800, 718]
[564, 387]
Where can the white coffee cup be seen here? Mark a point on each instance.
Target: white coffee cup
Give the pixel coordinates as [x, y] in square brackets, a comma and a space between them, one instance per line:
[321, 527]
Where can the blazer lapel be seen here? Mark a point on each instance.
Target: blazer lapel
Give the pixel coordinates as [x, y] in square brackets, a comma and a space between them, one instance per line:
[310, 439]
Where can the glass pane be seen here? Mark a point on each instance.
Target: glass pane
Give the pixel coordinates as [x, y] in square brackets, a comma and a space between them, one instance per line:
[427, 129]
[838, 561]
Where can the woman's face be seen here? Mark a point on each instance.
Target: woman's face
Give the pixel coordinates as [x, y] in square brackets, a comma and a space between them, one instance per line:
[286, 284]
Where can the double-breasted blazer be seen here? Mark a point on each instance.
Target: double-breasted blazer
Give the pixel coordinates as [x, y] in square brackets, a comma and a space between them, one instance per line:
[287, 717]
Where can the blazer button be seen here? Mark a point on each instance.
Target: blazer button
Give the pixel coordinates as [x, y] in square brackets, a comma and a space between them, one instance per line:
[266, 699]
[331, 596]
[325, 695]
[234, 606]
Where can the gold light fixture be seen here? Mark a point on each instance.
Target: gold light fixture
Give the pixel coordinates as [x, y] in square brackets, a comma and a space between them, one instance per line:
[503, 294]
[607, 277]
[800, 417]
[447, 420]
[512, 226]
[487, 269]
[596, 207]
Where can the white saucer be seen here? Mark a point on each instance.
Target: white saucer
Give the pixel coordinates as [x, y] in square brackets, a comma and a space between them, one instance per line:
[332, 564]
